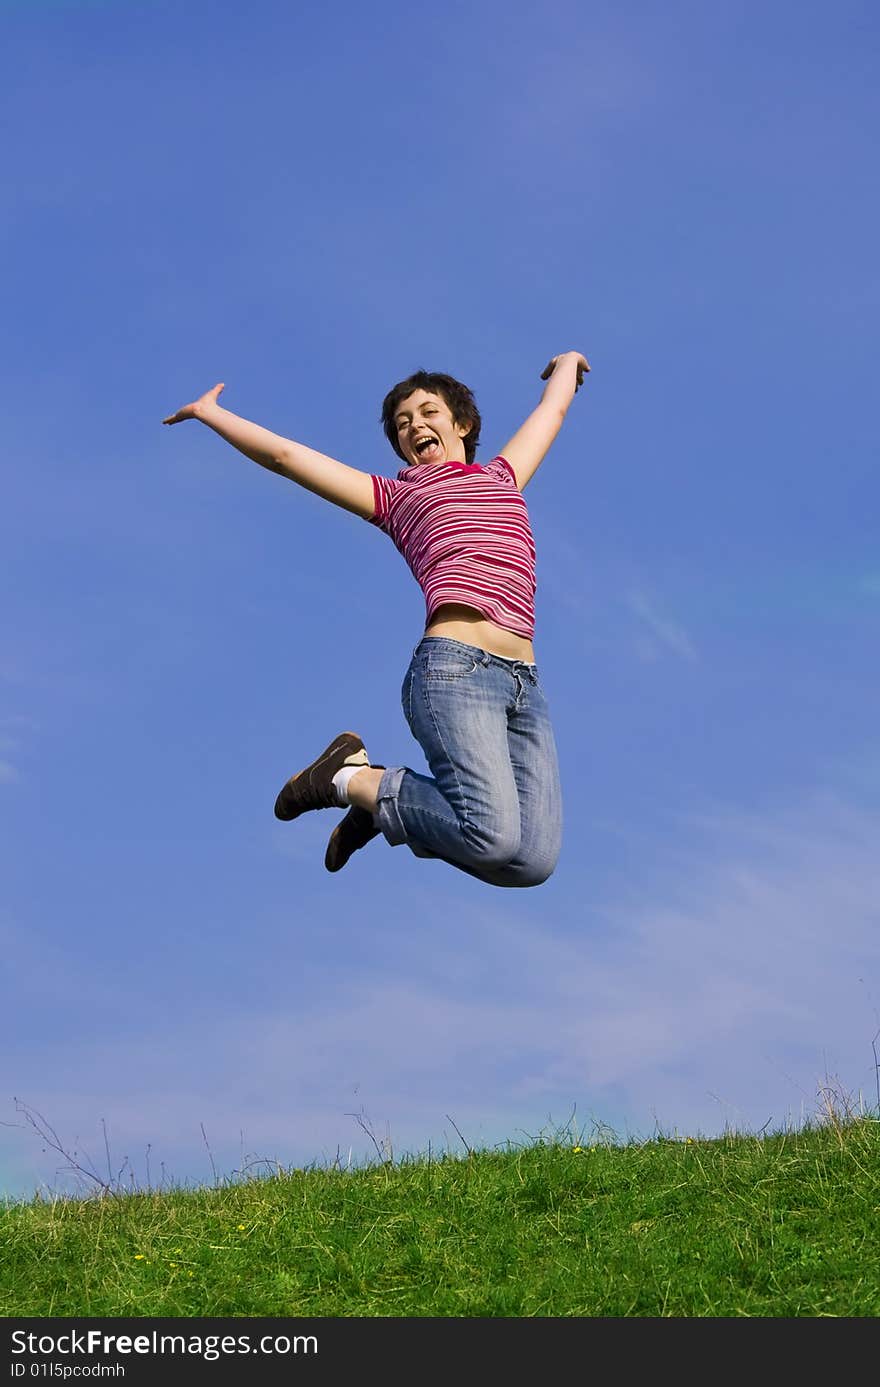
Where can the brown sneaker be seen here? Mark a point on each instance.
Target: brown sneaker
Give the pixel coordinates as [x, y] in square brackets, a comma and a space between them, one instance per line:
[312, 788]
[351, 833]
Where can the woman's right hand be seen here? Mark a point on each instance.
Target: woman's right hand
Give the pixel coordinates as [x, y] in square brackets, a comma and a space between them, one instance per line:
[197, 408]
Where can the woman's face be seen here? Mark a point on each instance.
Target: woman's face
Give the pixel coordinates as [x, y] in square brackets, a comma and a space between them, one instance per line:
[426, 430]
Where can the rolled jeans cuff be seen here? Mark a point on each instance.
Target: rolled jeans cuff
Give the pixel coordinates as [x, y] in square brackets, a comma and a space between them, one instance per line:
[387, 812]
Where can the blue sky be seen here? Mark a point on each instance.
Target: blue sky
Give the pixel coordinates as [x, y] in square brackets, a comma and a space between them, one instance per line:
[309, 204]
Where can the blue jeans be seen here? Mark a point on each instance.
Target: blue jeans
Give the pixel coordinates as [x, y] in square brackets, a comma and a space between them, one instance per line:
[493, 807]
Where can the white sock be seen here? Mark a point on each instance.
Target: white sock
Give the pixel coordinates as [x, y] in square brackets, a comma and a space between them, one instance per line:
[340, 782]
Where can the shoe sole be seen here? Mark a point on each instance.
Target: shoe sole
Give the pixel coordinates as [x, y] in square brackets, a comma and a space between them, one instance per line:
[337, 853]
[358, 757]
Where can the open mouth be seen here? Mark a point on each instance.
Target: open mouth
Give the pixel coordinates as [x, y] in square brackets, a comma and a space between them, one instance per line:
[425, 445]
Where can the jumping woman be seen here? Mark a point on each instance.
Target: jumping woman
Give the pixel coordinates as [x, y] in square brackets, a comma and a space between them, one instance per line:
[491, 805]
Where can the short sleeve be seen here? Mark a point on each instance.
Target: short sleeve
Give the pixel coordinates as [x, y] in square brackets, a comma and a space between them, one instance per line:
[501, 469]
[383, 494]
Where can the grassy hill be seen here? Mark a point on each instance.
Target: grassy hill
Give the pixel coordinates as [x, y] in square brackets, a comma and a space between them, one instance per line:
[776, 1225]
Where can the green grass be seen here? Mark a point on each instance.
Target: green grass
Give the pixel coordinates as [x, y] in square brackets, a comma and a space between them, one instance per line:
[779, 1225]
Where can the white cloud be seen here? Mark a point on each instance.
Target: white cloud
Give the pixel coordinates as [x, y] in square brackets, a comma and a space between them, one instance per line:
[870, 583]
[719, 995]
[12, 726]
[663, 632]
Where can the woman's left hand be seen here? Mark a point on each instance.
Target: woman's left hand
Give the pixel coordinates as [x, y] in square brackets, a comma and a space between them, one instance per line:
[583, 365]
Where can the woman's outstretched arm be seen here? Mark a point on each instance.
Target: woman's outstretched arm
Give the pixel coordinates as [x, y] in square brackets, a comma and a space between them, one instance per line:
[344, 486]
[525, 451]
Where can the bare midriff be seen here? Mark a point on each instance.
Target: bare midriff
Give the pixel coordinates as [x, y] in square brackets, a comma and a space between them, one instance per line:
[466, 624]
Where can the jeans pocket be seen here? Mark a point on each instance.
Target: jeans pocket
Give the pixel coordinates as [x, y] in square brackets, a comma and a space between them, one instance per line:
[449, 664]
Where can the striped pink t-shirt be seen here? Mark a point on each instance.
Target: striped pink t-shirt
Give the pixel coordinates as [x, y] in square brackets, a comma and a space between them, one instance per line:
[464, 530]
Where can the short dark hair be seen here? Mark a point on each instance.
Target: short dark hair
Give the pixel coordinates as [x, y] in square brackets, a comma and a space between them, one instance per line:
[461, 403]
